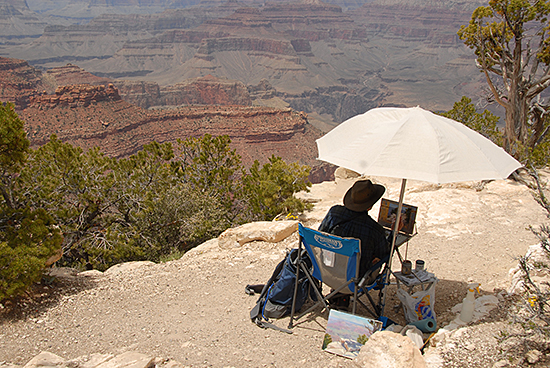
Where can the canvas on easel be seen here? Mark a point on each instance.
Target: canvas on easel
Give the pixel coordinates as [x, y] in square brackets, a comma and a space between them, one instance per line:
[388, 213]
[346, 333]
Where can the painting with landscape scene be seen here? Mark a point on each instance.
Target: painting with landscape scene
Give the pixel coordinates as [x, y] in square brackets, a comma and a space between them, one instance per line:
[347, 333]
[388, 211]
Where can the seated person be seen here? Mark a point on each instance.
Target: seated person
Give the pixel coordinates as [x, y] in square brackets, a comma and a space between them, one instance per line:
[352, 220]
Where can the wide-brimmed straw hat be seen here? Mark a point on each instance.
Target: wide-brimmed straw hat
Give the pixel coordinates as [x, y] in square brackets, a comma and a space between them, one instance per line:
[363, 195]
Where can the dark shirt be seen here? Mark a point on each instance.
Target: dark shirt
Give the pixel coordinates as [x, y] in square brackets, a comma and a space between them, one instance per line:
[347, 223]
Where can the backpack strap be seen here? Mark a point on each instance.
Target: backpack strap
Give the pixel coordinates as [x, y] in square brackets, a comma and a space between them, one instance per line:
[264, 324]
[254, 289]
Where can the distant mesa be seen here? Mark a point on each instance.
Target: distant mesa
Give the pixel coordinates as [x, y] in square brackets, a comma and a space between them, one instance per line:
[72, 74]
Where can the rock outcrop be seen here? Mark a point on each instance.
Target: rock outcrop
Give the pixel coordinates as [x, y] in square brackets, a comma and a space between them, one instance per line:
[19, 82]
[207, 90]
[72, 74]
[124, 360]
[76, 96]
[389, 349]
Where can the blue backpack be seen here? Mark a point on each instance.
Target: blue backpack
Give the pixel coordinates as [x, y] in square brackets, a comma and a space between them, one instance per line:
[275, 299]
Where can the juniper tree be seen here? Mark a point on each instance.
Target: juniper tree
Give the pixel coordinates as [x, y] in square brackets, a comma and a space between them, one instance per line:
[28, 235]
[511, 41]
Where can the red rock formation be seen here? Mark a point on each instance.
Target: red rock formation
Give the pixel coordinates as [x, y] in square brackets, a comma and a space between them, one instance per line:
[19, 82]
[207, 90]
[76, 96]
[142, 94]
[89, 116]
[72, 74]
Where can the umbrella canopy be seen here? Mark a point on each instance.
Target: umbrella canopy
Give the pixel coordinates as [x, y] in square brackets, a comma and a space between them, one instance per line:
[412, 143]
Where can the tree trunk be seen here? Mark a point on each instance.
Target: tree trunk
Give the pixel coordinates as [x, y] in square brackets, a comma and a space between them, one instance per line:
[515, 131]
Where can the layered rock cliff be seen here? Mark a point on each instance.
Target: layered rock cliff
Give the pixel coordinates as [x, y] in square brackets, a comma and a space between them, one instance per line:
[90, 116]
[72, 74]
[19, 82]
[18, 21]
[75, 96]
[315, 56]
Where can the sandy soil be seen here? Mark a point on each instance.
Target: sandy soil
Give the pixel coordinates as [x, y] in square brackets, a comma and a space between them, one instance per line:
[194, 310]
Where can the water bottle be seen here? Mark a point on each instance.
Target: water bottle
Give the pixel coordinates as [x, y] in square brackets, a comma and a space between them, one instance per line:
[468, 303]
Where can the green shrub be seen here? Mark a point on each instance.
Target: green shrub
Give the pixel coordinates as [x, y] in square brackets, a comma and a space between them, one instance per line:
[531, 154]
[27, 240]
[151, 204]
[270, 189]
[485, 123]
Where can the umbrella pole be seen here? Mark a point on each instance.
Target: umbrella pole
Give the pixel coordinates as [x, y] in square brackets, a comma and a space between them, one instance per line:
[394, 236]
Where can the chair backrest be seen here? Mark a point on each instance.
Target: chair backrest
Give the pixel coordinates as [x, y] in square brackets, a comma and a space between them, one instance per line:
[335, 260]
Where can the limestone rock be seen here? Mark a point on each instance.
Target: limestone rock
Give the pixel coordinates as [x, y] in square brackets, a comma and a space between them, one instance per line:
[91, 273]
[343, 173]
[273, 232]
[533, 356]
[125, 267]
[45, 359]
[89, 361]
[503, 363]
[129, 359]
[535, 256]
[208, 245]
[62, 272]
[9, 365]
[389, 350]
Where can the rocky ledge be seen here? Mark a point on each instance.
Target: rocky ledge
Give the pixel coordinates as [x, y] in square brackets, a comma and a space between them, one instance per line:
[19, 82]
[208, 90]
[76, 95]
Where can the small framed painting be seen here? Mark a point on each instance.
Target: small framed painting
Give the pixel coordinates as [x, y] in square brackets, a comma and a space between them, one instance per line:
[347, 333]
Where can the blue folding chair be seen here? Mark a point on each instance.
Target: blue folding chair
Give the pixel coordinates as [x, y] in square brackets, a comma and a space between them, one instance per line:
[335, 262]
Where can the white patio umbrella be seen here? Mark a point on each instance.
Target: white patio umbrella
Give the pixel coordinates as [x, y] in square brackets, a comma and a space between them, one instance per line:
[412, 143]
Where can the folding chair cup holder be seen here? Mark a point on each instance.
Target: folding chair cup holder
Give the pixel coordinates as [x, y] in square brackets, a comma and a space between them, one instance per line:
[334, 261]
